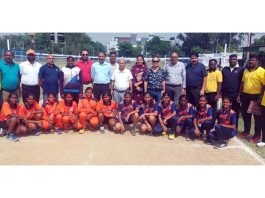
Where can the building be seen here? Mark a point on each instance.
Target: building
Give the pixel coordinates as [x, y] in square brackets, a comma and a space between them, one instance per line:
[132, 39]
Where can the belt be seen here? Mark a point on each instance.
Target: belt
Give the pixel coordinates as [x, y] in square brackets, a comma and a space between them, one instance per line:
[120, 91]
[154, 89]
[30, 85]
[170, 85]
[193, 87]
[100, 84]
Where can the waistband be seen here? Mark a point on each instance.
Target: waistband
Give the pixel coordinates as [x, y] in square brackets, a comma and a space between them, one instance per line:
[170, 85]
[120, 91]
[31, 85]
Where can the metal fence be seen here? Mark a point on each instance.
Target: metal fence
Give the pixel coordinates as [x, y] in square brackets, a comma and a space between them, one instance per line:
[60, 60]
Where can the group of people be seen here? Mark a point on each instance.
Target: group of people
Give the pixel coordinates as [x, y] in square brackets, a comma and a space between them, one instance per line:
[171, 101]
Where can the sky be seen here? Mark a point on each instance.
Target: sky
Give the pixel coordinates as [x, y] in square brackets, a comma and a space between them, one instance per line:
[104, 38]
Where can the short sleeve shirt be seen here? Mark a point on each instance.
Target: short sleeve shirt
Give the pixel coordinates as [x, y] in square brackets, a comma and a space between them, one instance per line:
[166, 110]
[195, 75]
[253, 80]
[9, 76]
[212, 80]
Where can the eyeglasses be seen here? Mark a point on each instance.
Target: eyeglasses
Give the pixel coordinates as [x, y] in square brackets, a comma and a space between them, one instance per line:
[155, 61]
[84, 54]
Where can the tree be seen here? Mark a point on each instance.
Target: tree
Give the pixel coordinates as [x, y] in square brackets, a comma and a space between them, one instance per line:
[210, 42]
[158, 47]
[260, 41]
[125, 49]
[17, 41]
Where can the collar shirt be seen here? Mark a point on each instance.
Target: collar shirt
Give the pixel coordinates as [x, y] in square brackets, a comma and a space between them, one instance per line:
[176, 74]
[29, 73]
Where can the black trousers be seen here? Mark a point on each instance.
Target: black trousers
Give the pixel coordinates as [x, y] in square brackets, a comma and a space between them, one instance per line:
[210, 98]
[99, 90]
[27, 89]
[193, 95]
[263, 122]
[245, 100]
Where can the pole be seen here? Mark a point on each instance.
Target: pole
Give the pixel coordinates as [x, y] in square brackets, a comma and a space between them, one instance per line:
[8, 44]
[224, 54]
[249, 44]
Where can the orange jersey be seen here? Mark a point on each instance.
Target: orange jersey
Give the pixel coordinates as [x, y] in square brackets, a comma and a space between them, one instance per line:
[101, 107]
[24, 111]
[7, 110]
[68, 109]
[85, 105]
[51, 108]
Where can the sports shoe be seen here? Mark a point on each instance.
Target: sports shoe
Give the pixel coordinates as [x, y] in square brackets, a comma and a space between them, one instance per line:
[2, 132]
[102, 130]
[59, 131]
[81, 131]
[171, 136]
[220, 146]
[164, 133]
[255, 139]
[188, 139]
[12, 137]
[37, 132]
[208, 142]
[243, 134]
[261, 144]
[133, 131]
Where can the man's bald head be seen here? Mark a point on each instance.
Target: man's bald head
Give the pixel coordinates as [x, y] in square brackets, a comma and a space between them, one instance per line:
[50, 59]
[122, 64]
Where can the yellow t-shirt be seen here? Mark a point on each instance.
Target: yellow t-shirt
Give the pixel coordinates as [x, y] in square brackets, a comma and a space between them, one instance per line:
[263, 97]
[211, 81]
[253, 80]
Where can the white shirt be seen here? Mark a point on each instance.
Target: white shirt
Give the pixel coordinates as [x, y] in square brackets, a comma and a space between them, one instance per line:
[114, 67]
[232, 68]
[121, 79]
[29, 73]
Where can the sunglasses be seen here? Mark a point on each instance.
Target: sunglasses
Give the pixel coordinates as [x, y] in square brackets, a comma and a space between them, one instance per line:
[155, 61]
[84, 54]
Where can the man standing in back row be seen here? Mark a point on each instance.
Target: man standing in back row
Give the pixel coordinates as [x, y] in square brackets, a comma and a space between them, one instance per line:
[29, 71]
[196, 79]
[85, 65]
[175, 78]
[232, 76]
[101, 75]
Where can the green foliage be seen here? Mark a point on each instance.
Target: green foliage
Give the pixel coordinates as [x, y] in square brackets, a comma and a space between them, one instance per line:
[17, 41]
[158, 47]
[74, 42]
[260, 41]
[210, 42]
[127, 50]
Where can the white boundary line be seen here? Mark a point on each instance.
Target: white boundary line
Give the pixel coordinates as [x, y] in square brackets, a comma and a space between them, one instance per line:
[250, 151]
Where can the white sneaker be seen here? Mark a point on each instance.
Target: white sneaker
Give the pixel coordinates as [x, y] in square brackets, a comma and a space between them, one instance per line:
[261, 144]
[102, 130]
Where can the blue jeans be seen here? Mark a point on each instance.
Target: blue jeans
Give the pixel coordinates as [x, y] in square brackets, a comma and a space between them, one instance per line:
[171, 123]
[188, 123]
[224, 133]
[207, 126]
[155, 94]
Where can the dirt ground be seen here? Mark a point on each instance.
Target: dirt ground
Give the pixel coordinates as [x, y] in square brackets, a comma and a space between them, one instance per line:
[93, 148]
